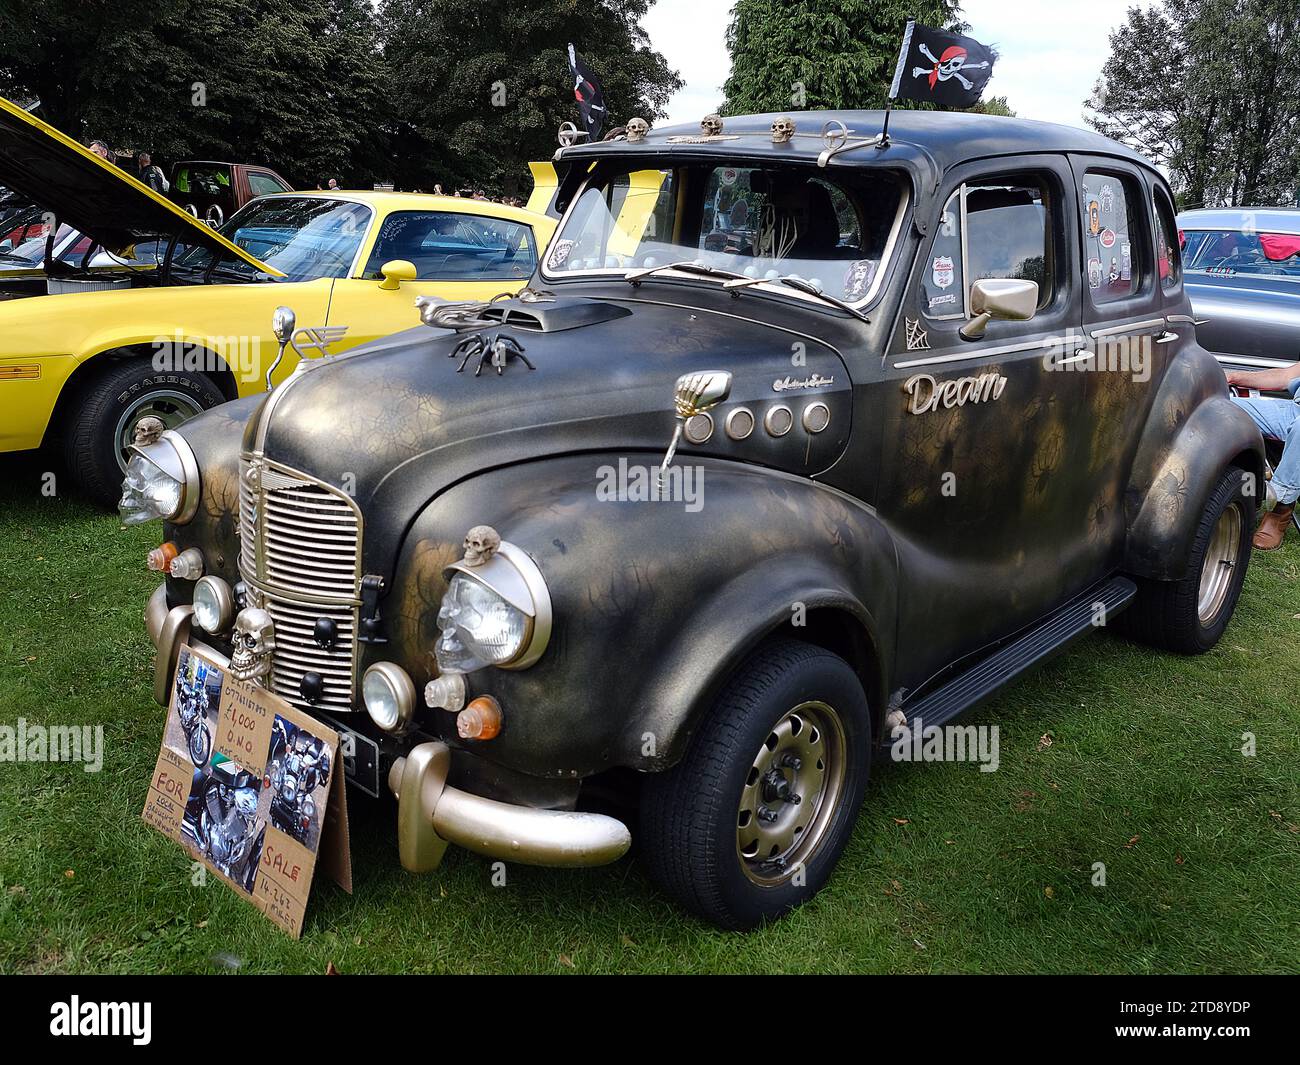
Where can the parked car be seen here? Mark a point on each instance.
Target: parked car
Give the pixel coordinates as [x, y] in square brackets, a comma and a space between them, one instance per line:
[175, 337]
[214, 191]
[1243, 278]
[894, 476]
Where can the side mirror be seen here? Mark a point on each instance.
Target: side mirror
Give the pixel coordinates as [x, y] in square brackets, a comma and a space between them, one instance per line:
[395, 272]
[1004, 298]
[283, 324]
[694, 394]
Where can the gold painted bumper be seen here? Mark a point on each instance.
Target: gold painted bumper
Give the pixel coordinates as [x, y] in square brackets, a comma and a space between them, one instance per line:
[430, 815]
[170, 631]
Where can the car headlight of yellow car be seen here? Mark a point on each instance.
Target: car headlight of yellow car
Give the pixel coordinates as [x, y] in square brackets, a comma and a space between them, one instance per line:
[162, 481]
[496, 613]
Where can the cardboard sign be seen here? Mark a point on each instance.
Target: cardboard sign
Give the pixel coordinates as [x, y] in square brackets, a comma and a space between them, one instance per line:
[249, 786]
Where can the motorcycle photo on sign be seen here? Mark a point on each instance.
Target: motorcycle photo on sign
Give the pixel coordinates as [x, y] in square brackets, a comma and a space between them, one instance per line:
[297, 774]
[223, 820]
[197, 699]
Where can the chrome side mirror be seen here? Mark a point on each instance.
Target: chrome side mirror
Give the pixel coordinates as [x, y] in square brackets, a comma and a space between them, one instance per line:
[694, 394]
[1004, 298]
[283, 324]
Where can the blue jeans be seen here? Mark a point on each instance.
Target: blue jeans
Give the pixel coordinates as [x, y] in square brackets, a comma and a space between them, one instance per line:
[1280, 419]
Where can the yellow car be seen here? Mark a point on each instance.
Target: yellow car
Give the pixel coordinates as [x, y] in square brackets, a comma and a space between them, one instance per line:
[193, 329]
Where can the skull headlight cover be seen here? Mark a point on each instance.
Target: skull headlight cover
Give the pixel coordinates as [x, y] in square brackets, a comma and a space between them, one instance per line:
[162, 481]
[495, 613]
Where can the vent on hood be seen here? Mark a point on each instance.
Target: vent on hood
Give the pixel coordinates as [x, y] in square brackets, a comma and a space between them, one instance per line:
[553, 315]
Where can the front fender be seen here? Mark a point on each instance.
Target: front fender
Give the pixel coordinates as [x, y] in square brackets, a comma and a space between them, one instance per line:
[1194, 432]
[654, 605]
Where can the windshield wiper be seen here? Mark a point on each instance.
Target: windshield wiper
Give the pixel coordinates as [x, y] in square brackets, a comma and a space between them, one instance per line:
[691, 266]
[799, 284]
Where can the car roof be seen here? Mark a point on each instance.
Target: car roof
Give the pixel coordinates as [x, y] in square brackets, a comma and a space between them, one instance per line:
[388, 202]
[1268, 219]
[946, 137]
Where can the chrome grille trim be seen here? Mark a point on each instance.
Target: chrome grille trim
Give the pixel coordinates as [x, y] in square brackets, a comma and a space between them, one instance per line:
[300, 555]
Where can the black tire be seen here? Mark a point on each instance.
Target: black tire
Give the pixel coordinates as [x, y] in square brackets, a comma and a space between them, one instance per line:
[690, 814]
[91, 445]
[200, 745]
[1167, 614]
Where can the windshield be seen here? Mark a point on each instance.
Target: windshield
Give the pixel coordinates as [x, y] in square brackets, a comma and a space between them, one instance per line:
[759, 222]
[304, 237]
[1231, 251]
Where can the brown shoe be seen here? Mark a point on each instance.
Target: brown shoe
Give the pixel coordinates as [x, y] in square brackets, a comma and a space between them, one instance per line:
[1272, 528]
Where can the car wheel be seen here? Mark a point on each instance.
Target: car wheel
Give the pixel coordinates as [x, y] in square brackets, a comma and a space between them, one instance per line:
[104, 416]
[753, 819]
[1189, 615]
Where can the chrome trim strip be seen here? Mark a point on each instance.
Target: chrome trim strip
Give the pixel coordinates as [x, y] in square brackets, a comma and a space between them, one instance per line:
[1131, 327]
[1253, 360]
[978, 353]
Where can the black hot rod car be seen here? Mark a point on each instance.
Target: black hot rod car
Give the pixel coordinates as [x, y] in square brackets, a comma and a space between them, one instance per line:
[727, 495]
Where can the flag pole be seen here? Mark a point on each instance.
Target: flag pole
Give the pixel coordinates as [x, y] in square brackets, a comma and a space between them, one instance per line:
[883, 140]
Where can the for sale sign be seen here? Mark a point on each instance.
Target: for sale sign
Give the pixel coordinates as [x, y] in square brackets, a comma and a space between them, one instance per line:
[249, 786]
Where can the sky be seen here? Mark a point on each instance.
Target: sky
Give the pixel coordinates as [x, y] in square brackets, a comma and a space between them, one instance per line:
[1051, 51]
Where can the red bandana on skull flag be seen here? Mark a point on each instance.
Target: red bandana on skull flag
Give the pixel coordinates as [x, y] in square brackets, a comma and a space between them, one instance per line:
[587, 91]
[941, 68]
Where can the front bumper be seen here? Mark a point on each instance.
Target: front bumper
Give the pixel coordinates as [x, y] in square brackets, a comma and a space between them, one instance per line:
[430, 813]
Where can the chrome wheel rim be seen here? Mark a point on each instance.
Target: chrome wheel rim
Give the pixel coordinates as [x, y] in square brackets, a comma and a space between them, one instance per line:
[170, 407]
[791, 793]
[1220, 565]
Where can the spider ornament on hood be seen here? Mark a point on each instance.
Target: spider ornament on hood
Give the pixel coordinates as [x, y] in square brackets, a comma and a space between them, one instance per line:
[499, 349]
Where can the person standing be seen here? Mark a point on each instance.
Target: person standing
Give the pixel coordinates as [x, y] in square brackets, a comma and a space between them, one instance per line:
[100, 149]
[152, 176]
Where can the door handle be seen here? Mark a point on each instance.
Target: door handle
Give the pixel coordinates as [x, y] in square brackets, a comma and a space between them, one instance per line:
[1167, 337]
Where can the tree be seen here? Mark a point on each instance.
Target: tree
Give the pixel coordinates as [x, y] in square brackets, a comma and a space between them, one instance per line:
[1219, 110]
[477, 90]
[795, 54]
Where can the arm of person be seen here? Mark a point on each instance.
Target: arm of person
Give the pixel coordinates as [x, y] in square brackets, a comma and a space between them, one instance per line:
[1279, 378]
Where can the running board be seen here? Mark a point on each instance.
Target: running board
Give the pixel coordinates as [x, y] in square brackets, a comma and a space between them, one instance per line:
[1062, 626]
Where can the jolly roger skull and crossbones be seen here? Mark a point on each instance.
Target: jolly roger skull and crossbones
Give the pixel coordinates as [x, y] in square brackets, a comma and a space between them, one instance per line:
[949, 65]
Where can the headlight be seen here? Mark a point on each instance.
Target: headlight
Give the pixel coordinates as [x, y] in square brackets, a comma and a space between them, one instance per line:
[214, 605]
[497, 613]
[162, 481]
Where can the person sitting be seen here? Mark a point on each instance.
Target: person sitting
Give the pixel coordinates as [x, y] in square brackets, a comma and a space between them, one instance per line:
[1280, 419]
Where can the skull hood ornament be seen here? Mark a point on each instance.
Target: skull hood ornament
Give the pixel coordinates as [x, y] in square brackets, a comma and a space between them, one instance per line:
[637, 129]
[711, 126]
[481, 543]
[782, 130]
[253, 644]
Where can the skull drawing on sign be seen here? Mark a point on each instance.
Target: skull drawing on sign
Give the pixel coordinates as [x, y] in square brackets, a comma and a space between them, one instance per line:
[637, 128]
[253, 644]
[711, 126]
[782, 130]
[481, 543]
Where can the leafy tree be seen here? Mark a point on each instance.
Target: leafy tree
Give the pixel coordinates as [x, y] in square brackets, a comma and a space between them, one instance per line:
[1220, 110]
[794, 54]
[478, 89]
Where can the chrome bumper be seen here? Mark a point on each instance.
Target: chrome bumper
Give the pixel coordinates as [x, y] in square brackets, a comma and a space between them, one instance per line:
[170, 631]
[431, 815]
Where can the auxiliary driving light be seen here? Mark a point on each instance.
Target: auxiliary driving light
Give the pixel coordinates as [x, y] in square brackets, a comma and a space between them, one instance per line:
[389, 695]
[214, 605]
[481, 720]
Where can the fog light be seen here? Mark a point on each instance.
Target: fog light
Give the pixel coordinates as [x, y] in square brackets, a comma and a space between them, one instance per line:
[389, 695]
[214, 605]
[481, 720]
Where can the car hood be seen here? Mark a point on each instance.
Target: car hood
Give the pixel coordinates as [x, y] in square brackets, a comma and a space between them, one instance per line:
[393, 423]
[53, 171]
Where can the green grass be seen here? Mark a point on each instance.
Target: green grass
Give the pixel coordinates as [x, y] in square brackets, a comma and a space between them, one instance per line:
[950, 869]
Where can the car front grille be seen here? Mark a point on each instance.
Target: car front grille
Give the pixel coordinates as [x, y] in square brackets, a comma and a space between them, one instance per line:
[300, 554]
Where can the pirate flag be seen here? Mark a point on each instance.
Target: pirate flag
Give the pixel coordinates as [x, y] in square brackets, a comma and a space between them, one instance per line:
[941, 68]
[591, 101]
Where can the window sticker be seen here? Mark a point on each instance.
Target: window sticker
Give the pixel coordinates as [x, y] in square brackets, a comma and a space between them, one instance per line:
[943, 271]
[857, 281]
[1094, 273]
[942, 279]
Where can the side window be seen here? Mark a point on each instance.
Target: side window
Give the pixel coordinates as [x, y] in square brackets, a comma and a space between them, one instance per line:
[943, 283]
[263, 184]
[1110, 230]
[448, 246]
[991, 229]
[1168, 264]
[1009, 234]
